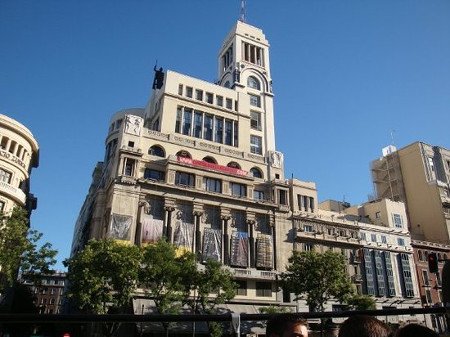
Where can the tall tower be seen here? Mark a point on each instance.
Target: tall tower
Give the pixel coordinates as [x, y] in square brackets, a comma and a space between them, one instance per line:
[244, 66]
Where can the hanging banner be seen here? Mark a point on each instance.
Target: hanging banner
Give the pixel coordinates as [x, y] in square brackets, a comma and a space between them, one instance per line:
[152, 229]
[120, 227]
[183, 235]
[212, 244]
[239, 249]
[264, 251]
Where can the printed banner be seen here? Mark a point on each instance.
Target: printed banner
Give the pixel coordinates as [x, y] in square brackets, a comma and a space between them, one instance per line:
[120, 227]
[183, 235]
[264, 251]
[212, 244]
[152, 229]
[239, 249]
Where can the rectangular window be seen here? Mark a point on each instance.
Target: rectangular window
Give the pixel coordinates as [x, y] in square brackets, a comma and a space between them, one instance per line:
[258, 195]
[263, 289]
[311, 204]
[5, 176]
[219, 100]
[213, 185]
[363, 236]
[238, 190]
[187, 121]
[380, 273]
[236, 134]
[389, 274]
[369, 278]
[255, 144]
[189, 92]
[373, 237]
[242, 288]
[383, 239]
[180, 89]
[428, 296]
[401, 241]
[128, 168]
[185, 179]
[228, 132]
[209, 98]
[425, 278]
[308, 247]
[154, 174]
[305, 203]
[229, 103]
[308, 228]
[208, 127]
[218, 127]
[198, 122]
[255, 120]
[255, 100]
[398, 220]
[179, 120]
[282, 197]
[405, 272]
[199, 95]
[253, 54]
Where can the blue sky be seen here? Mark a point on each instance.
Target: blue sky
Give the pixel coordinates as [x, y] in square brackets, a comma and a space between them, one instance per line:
[345, 74]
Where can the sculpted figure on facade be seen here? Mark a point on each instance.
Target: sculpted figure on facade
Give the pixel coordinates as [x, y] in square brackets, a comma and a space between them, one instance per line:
[276, 159]
[133, 125]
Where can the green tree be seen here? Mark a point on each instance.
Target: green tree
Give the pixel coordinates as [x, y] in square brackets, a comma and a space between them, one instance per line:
[361, 302]
[103, 276]
[211, 285]
[317, 276]
[164, 275]
[19, 249]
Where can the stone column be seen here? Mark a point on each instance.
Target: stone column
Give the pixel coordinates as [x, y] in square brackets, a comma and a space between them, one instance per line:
[168, 222]
[197, 242]
[251, 243]
[225, 240]
[274, 239]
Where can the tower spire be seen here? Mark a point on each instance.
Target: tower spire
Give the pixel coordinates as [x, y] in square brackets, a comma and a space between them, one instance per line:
[243, 11]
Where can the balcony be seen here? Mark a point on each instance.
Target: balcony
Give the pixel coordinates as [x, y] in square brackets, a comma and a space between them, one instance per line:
[13, 192]
[132, 150]
[254, 274]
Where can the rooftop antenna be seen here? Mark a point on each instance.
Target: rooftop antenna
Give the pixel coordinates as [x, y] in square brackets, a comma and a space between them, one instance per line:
[243, 11]
[392, 137]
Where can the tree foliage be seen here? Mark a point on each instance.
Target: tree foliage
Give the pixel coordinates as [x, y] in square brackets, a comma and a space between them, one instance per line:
[19, 249]
[211, 285]
[318, 277]
[164, 275]
[361, 302]
[103, 276]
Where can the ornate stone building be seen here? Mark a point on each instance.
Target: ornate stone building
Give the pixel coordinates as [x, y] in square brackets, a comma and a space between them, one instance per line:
[19, 153]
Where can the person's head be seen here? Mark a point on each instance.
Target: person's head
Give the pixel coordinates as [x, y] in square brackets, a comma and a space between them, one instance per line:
[415, 330]
[364, 326]
[287, 325]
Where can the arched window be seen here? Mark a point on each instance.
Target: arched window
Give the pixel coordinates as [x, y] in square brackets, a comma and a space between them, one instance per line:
[420, 254]
[233, 164]
[156, 150]
[209, 159]
[183, 154]
[256, 172]
[253, 83]
[227, 84]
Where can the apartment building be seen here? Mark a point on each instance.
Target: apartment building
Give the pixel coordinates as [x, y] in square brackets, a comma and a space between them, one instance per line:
[418, 175]
[49, 292]
[19, 153]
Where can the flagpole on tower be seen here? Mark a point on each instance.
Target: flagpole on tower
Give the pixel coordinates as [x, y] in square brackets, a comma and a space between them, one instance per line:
[243, 12]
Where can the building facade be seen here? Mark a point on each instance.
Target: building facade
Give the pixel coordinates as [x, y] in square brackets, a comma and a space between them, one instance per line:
[418, 175]
[19, 153]
[49, 292]
[199, 166]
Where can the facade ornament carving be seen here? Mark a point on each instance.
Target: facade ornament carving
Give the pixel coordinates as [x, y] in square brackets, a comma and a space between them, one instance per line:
[276, 159]
[133, 125]
[146, 207]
